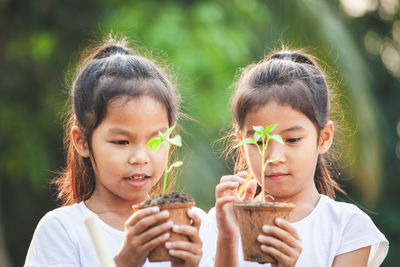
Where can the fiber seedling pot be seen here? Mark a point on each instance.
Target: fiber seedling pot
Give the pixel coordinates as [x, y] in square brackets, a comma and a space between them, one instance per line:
[177, 214]
[252, 216]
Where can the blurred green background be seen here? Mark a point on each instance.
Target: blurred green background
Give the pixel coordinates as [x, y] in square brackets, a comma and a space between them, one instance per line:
[205, 43]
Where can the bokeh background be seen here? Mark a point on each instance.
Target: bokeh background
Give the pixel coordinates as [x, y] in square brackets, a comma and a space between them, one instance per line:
[204, 43]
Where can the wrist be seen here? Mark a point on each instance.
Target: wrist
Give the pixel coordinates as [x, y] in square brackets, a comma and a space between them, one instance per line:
[121, 262]
[230, 239]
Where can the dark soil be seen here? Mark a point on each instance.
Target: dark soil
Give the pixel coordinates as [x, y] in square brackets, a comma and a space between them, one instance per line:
[174, 197]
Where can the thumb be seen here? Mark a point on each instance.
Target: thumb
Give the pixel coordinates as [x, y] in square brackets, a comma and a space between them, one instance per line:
[250, 190]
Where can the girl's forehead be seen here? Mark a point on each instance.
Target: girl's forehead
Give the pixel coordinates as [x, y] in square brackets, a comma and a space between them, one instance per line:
[275, 113]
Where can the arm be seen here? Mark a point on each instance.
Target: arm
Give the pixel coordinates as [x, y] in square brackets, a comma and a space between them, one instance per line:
[357, 257]
[228, 228]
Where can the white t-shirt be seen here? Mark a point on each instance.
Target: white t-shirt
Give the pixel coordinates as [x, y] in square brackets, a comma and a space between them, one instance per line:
[61, 239]
[331, 229]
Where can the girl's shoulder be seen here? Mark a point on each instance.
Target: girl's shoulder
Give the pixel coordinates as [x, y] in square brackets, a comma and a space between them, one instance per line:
[339, 208]
[65, 213]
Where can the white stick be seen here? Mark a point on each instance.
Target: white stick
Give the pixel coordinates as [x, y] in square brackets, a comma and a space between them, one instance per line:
[98, 240]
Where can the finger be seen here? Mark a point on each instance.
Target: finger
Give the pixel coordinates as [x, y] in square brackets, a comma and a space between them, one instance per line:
[153, 243]
[242, 174]
[285, 225]
[189, 231]
[153, 232]
[146, 222]
[184, 245]
[250, 190]
[196, 220]
[221, 203]
[270, 241]
[140, 214]
[226, 187]
[233, 178]
[184, 255]
[278, 255]
[280, 234]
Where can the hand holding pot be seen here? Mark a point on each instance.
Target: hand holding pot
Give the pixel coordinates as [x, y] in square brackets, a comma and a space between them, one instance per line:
[226, 193]
[282, 242]
[144, 230]
[189, 251]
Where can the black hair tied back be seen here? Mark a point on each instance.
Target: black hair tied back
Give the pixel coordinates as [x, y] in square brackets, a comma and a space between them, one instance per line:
[294, 56]
[111, 50]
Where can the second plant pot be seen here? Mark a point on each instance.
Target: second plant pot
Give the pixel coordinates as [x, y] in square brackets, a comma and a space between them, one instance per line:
[177, 209]
[252, 216]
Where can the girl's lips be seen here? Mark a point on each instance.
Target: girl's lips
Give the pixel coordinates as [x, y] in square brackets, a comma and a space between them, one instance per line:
[277, 176]
[137, 180]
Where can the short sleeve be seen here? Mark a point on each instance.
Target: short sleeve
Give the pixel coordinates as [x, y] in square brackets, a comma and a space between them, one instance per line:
[51, 245]
[361, 232]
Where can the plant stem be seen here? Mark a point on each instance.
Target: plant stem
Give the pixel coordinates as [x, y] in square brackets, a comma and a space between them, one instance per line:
[165, 172]
[264, 148]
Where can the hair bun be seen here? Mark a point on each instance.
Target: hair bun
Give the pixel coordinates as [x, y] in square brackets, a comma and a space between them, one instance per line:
[295, 57]
[111, 50]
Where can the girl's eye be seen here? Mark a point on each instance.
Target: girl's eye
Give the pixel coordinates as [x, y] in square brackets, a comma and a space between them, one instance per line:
[120, 142]
[293, 140]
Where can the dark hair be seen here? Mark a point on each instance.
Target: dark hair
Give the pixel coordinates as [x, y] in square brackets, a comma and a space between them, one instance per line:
[291, 78]
[110, 70]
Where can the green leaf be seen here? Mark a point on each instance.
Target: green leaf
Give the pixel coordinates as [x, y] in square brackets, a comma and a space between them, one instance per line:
[177, 140]
[155, 143]
[246, 141]
[162, 136]
[174, 165]
[169, 131]
[257, 136]
[277, 138]
[270, 128]
[258, 129]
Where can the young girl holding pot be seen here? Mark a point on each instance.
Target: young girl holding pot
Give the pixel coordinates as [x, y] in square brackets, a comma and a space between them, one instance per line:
[120, 100]
[289, 89]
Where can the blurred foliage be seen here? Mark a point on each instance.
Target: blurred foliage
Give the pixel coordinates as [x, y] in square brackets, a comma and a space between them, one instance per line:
[204, 43]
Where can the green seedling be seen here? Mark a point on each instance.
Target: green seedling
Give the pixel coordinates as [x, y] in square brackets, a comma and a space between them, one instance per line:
[261, 139]
[167, 141]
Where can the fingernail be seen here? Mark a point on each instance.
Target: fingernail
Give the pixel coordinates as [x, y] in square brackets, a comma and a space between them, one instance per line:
[259, 238]
[164, 213]
[155, 209]
[265, 228]
[278, 220]
[166, 235]
[176, 227]
[168, 244]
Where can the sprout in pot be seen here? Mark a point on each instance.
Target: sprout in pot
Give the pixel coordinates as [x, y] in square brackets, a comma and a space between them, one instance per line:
[256, 212]
[177, 203]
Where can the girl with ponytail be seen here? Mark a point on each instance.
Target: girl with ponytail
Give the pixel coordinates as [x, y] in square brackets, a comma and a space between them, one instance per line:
[288, 88]
[120, 100]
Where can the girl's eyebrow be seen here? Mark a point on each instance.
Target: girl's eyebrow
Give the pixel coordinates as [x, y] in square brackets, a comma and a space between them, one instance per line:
[117, 130]
[293, 128]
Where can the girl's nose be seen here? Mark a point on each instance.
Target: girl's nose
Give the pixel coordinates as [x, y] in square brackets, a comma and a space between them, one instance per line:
[275, 153]
[139, 157]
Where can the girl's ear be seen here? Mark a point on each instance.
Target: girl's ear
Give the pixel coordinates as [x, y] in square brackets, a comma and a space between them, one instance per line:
[239, 138]
[325, 138]
[79, 142]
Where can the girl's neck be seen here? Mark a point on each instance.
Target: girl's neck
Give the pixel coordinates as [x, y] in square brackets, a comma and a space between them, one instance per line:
[305, 201]
[113, 211]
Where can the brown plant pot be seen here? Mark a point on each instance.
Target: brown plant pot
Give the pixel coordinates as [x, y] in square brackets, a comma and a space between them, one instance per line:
[252, 216]
[177, 214]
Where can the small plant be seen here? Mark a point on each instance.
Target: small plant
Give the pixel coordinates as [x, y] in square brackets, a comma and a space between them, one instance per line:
[167, 141]
[261, 139]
